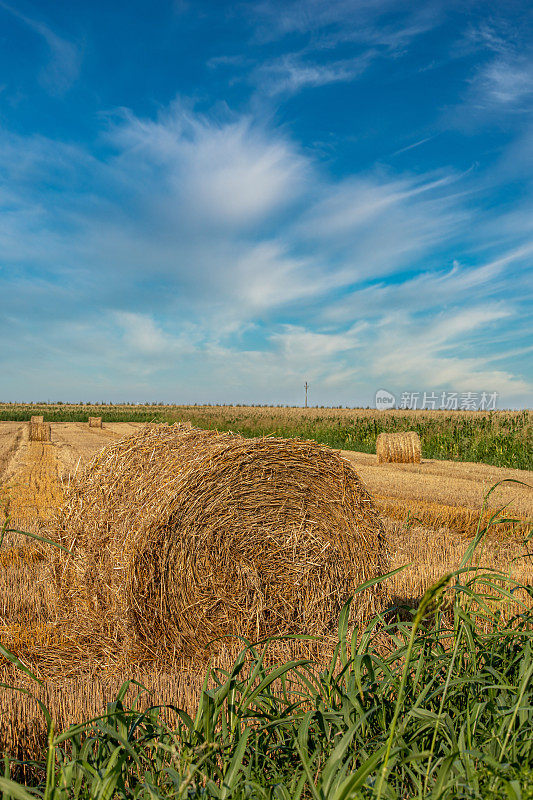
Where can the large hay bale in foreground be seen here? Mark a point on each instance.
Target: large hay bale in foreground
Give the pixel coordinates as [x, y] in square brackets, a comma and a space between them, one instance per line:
[40, 431]
[179, 536]
[95, 422]
[400, 448]
[37, 418]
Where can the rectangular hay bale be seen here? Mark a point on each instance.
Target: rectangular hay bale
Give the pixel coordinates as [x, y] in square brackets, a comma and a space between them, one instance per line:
[40, 432]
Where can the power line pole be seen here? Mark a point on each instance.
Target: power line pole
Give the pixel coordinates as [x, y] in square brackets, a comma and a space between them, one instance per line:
[306, 394]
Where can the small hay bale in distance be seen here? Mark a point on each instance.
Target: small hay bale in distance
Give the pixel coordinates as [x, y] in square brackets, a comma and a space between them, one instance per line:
[40, 431]
[398, 448]
[37, 419]
[95, 422]
[179, 536]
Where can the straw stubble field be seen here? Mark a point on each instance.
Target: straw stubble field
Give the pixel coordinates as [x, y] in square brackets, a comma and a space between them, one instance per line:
[429, 511]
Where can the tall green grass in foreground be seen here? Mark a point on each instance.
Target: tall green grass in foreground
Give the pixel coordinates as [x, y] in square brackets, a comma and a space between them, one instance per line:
[433, 701]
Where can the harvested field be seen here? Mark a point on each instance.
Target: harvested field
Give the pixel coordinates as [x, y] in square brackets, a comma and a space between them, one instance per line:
[76, 443]
[434, 489]
[34, 491]
[30, 482]
[444, 493]
[11, 434]
[429, 511]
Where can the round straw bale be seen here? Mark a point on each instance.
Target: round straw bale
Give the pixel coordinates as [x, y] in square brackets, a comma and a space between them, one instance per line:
[179, 536]
[40, 431]
[400, 448]
[95, 422]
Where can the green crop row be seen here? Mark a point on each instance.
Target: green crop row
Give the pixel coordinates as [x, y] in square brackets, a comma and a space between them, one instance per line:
[483, 439]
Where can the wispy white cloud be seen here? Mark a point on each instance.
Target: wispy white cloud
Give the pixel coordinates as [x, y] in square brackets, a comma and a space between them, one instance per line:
[504, 82]
[292, 73]
[433, 289]
[386, 23]
[353, 203]
[321, 43]
[300, 345]
[434, 353]
[227, 171]
[214, 248]
[502, 79]
[412, 146]
[213, 255]
[64, 61]
[143, 335]
[378, 224]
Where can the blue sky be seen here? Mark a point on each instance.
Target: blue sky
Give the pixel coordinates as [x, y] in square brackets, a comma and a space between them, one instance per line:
[215, 201]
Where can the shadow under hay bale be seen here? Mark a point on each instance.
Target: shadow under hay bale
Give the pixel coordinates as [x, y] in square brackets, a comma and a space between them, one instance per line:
[95, 422]
[399, 448]
[40, 431]
[179, 536]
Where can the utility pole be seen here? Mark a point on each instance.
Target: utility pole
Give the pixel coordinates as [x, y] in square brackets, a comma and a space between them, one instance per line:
[306, 394]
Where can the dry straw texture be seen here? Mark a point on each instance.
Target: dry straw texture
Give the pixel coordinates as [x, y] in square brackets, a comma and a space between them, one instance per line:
[401, 448]
[40, 431]
[95, 422]
[36, 419]
[179, 536]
